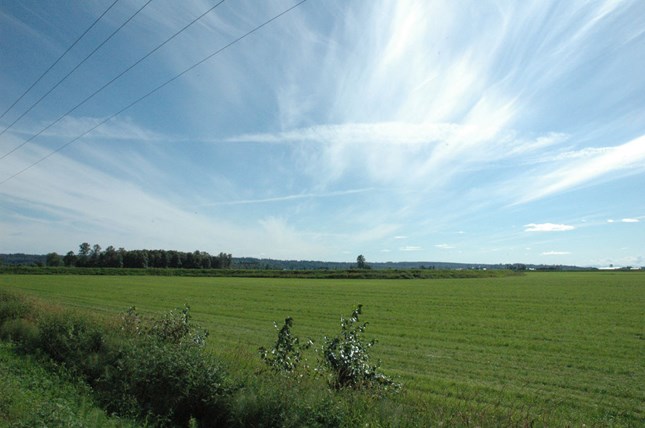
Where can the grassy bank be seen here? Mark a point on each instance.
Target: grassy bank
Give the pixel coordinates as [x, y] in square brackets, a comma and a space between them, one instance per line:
[36, 394]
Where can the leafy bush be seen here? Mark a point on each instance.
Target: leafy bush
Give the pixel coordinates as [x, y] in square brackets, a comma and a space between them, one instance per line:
[286, 354]
[156, 371]
[13, 326]
[131, 323]
[22, 332]
[159, 372]
[12, 307]
[175, 327]
[72, 340]
[170, 383]
[346, 356]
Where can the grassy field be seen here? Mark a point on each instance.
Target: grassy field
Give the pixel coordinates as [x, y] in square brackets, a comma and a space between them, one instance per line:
[550, 348]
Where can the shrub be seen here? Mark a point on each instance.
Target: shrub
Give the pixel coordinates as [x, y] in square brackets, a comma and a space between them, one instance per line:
[12, 307]
[174, 327]
[286, 354]
[22, 332]
[72, 340]
[13, 326]
[156, 371]
[169, 382]
[131, 323]
[346, 356]
[160, 372]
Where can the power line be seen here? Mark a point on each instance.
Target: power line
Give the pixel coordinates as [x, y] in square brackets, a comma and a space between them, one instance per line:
[77, 66]
[92, 95]
[59, 58]
[167, 82]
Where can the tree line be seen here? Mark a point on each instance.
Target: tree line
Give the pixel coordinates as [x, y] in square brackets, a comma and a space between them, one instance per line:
[95, 256]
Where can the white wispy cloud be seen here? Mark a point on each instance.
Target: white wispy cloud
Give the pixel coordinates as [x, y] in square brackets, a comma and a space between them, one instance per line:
[547, 227]
[587, 152]
[63, 209]
[119, 128]
[413, 153]
[286, 240]
[439, 118]
[445, 246]
[624, 220]
[359, 133]
[624, 159]
[411, 248]
[555, 253]
[289, 197]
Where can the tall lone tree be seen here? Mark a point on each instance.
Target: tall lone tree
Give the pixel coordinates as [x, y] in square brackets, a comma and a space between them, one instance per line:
[360, 262]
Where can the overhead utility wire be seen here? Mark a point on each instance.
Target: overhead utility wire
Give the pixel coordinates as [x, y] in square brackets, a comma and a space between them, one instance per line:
[59, 58]
[75, 68]
[92, 95]
[167, 82]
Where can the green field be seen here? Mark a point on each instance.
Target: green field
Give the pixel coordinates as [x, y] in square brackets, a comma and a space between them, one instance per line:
[552, 348]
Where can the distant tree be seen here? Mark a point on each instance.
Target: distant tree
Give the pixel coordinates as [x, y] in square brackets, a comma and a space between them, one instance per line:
[189, 261]
[205, 260]
[121, 255]
[53, 259]
[360, 262]
[516, 267]
[154, 258]
[164, 259]
[196, 259]
[95, 255]
[224, 261]
[84, 249]
[83, 259]
[174, 259]
[111, 258]
[136, 259]
[70, 259]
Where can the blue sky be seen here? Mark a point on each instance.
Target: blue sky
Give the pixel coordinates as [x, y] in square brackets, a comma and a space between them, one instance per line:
[483, 132]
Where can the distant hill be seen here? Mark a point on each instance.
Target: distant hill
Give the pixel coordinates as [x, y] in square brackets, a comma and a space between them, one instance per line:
[255, 263]
[23, 259]
[260, 263]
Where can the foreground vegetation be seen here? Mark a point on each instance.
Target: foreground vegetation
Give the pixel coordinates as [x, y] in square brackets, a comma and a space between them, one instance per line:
[155, 371]
[33, 394]
[544, 348]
